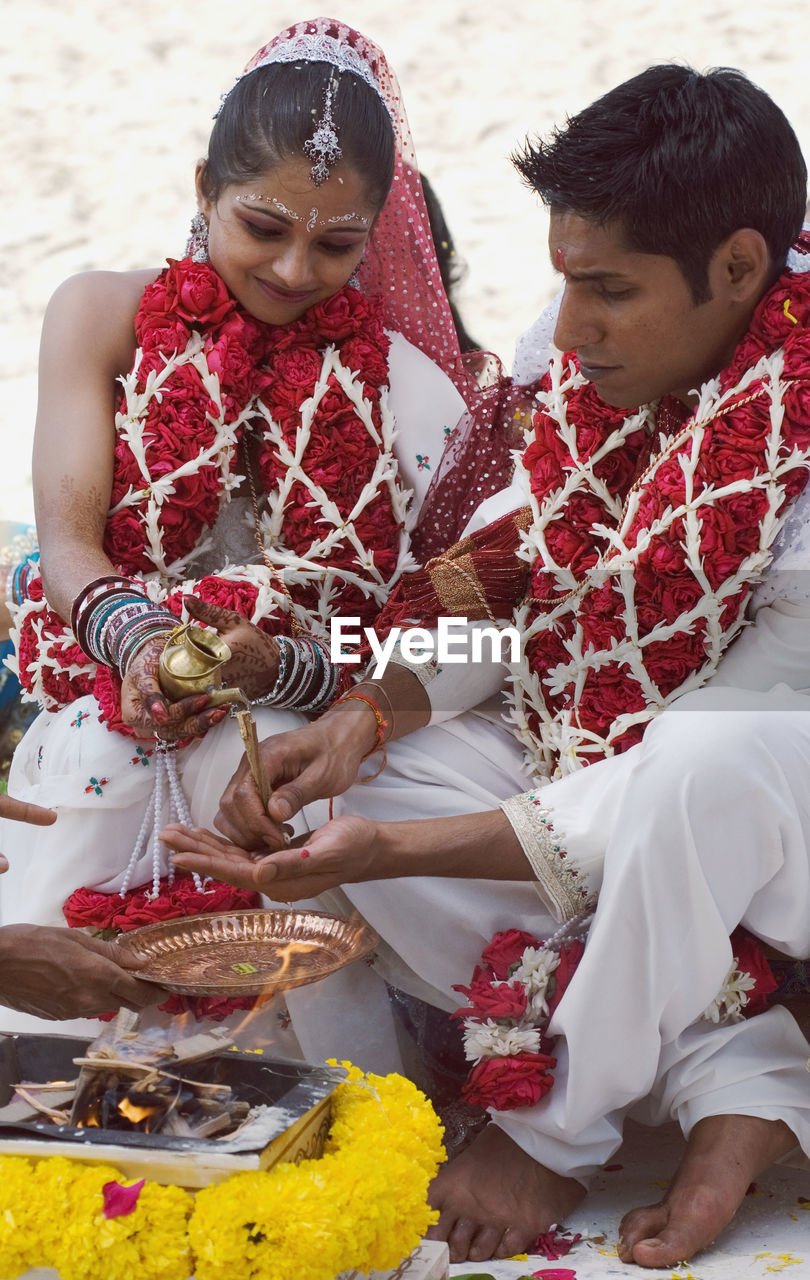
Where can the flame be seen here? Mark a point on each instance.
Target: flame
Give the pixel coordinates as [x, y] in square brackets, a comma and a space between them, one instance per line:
[273, 983]
[134, 1113]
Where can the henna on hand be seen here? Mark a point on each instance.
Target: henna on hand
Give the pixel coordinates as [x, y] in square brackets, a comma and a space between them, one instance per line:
[145, 708]
[253, 665]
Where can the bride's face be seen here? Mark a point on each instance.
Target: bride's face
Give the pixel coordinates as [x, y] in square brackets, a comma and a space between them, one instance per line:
[281, 244]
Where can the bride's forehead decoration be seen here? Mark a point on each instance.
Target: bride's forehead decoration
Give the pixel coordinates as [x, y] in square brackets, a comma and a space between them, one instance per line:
[323, 147]
[323, 40]
[399, 264]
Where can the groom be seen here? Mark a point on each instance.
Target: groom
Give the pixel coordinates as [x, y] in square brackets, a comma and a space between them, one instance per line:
[674, 200]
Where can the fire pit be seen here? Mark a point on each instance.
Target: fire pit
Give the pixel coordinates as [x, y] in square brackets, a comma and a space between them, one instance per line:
[160, 1120]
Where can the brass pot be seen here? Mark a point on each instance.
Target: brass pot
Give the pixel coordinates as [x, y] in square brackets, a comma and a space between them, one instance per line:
[191, 661]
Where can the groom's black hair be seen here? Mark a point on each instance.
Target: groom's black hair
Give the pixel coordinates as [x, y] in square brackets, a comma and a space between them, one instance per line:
[680, 160]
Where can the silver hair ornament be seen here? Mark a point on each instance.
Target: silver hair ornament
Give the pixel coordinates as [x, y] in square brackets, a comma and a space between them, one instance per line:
[323, 147]
[316, 47]
[197, 247]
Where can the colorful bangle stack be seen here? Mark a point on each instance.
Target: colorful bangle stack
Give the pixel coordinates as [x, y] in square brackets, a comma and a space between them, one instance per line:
[112, 620]
[18, 580]
[307, 679]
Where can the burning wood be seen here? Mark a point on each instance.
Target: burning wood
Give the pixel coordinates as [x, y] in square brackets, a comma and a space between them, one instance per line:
[126, 1083]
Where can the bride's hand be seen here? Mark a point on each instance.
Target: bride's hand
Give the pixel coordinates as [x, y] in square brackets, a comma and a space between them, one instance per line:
[341, 852]
[253, 665]
[149, 713]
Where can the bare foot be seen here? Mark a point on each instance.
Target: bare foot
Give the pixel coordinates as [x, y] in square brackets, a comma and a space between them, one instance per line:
[723, 1156]
[494, 1199]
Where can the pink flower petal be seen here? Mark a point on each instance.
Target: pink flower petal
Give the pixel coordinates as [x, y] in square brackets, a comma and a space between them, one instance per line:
[120, 1201]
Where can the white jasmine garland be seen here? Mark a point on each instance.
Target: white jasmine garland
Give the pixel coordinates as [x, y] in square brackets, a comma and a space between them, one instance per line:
[492, 1039]
[536, 967]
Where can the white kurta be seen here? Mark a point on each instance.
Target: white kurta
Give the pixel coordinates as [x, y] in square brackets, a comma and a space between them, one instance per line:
[703, 826]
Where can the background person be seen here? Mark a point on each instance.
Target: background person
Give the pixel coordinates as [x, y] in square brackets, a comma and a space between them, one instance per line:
[63, 973]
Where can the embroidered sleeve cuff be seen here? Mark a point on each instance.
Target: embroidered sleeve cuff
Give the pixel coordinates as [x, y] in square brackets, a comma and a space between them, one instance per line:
[558, 882]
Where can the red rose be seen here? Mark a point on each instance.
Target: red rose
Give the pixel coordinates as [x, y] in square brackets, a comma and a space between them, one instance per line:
[366, 360]
[607, 695]
[207, 1008]
[196, 293]
[679, 595]
[506, 949]
[750, 958]
[339, 316]
[107, 693]
[570, 955]
[771, 317]
[506, 1083]
[617, 469]
[294, 371]
[670, 662]
[238, 596]
[162, 334]
[124, 539]
[490, 999]
[235, 366]
[181, 898]
[86, 909]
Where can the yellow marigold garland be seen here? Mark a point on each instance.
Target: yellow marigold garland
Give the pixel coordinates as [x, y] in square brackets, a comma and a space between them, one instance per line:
[311, 1220]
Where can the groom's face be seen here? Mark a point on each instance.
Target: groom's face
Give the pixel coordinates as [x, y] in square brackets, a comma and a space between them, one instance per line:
[631, 318]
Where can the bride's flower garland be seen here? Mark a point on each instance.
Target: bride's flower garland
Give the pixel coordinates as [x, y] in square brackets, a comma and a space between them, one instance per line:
[515, 991]
[639, 582]
[110, 914]
[312, 1220]
[313, 396]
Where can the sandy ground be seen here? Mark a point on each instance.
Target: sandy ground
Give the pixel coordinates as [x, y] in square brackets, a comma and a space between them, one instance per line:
[106, 106]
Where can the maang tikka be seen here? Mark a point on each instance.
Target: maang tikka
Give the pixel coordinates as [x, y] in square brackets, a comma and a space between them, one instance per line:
[197, 247]
[323, 147]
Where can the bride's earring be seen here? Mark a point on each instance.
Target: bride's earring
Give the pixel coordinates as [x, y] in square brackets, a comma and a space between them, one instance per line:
[354, 280]
[197, 247]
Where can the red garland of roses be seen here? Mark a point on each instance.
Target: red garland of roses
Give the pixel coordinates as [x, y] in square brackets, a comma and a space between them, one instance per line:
[522, 1079]
[278, 364]
[110, 913]
[733, 448]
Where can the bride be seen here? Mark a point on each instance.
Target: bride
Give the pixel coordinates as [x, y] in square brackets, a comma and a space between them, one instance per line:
[242, 439]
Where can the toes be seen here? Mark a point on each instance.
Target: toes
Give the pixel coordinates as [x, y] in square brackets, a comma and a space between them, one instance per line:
[460, 1239]
[513, 1241]
[484, 1244]
[654, 1252]
[640, 1224]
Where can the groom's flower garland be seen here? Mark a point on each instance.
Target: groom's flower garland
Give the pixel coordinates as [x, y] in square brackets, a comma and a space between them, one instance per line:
[639, 584]
[312, 1220]
[313, 394]
[515, 991]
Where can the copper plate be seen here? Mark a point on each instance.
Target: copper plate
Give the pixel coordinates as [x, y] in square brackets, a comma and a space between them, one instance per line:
[244, 953]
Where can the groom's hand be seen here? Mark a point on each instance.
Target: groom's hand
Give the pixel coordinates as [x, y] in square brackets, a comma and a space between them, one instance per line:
[341, 852]
[315, 762]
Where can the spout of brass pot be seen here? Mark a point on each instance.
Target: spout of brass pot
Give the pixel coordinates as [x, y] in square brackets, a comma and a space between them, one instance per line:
[218, 697]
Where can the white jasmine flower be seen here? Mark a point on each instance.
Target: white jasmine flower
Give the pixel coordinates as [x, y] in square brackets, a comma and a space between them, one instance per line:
[536, 967]
[491, 1040]
[728, 1004]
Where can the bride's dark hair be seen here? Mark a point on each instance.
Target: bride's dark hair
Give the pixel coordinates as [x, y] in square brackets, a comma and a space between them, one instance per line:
[271, 112]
